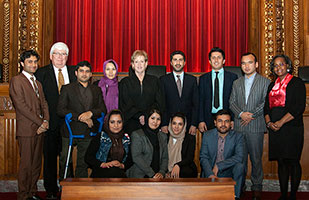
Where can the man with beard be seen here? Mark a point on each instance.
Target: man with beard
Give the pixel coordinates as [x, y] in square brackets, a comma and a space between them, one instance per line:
[86, 104]
[214, 89]
[180, 92]
[222, 152]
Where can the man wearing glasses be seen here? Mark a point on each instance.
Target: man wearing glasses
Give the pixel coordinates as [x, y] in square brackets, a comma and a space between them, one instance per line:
[52, 78]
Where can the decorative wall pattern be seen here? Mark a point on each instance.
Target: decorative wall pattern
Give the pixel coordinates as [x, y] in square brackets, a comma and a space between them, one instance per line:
[296, 36]
[6, 40]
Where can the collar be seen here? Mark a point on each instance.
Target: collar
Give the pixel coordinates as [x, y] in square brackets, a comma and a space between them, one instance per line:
[62, 69]
[251, 77]
[221, 71]
[28, 75]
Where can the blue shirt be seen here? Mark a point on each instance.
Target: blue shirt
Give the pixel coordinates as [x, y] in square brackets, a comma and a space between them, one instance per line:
[221, 81]
[248, 85]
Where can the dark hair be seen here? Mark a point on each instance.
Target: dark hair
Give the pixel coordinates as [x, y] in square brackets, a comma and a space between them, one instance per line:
[249, 53]
[28, 54]
[154, 110]
[83, 64]
[177, 52]
[287, 61]
[108, 116]
[222, 112]
[179, 114]
[216, 49]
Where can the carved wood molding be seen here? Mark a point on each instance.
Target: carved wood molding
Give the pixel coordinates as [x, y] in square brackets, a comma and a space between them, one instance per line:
[6, 40]
[296, 36]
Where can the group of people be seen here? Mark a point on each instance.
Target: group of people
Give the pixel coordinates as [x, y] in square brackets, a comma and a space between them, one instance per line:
[150, 123]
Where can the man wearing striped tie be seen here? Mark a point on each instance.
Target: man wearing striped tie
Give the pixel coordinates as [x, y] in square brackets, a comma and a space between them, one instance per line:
[53, 77]
[247, 103]
[31, 122]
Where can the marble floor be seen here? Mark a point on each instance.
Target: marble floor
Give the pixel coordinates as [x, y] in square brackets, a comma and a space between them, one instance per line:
[268, 185]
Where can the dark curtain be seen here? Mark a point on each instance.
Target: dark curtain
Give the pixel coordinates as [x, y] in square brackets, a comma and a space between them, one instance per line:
[97, 30]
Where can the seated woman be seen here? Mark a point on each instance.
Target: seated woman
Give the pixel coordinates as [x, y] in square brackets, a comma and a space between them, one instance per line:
[149, 149]
[108, 152]
[181, 148]
[109, 84]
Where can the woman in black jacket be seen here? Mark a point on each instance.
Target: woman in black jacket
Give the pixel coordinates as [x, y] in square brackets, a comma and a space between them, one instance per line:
[181, 148]
[139, 93]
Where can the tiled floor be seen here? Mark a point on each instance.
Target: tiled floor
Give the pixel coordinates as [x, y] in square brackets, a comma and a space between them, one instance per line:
[268, 185]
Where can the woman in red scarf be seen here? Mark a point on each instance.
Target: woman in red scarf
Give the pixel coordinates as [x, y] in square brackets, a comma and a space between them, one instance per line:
[284, 106]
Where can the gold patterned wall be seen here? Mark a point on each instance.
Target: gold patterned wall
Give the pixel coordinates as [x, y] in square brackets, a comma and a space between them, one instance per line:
[23, 28]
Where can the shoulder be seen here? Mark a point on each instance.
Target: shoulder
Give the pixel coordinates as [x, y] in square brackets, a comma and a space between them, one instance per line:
[239, 80]
[205, 76]
[138, 133]
[165, 77]
[297, 80]
[190, 77]
[189, 137]
[262, 78]
[236, 134]
[162, 135]
[151, 78]
[43, 69]
[210, 133]
[230, 74]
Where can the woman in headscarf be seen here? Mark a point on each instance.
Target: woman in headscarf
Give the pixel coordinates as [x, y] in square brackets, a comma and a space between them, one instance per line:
[149, 149]
[181, 148]
[108, 152]
[109, 84]
[284, 107]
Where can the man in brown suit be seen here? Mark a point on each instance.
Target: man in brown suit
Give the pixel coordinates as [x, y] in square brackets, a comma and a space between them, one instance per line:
[32, 120]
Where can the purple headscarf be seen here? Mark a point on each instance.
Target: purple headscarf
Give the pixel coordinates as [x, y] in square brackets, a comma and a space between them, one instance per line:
[109, 88]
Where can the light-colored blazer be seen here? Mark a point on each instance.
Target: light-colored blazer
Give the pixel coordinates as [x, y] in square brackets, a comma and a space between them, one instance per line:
[254, 105]
[30, 110]
[142, 150]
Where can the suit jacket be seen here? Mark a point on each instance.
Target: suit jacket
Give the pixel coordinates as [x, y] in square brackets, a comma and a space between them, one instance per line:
[70, 102]
[255, 104]
[46, 76]
[142, 150]
[186, 104]
[233, 151]
[206, 93]
[31, 111]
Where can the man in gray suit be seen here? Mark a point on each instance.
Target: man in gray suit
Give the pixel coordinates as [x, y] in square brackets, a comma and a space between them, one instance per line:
[247, 103]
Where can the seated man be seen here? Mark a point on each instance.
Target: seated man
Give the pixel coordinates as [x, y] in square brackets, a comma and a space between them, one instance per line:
[222, 152]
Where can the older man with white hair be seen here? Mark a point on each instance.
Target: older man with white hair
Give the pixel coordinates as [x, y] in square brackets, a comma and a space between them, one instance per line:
[53, 77]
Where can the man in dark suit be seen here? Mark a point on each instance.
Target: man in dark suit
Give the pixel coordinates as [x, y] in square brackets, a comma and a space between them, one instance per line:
[247, 103]
[222, 152]
[32, 120]
[86, 104]
[52, 77]
[181, 93]
[215, 88]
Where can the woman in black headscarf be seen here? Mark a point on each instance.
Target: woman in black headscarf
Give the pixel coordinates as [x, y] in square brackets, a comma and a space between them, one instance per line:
[108, 152]
[149, 149]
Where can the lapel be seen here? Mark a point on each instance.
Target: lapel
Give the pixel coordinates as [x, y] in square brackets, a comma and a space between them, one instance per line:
[225, 83]
[52, 76]
[210, 84]
[161, 142]
[76, 93]
[71, 72]
[29, 87]
[254, 84]
[242, 89]
[227, 145]
[174, 85]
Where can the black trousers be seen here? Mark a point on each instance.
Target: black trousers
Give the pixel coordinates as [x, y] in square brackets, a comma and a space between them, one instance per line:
[51, 149]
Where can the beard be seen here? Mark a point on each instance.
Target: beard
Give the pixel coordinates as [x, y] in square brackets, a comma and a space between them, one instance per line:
[178, 69]
[223, 129]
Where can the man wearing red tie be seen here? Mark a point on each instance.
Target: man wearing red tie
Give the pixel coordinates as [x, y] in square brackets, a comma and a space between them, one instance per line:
[32, 120]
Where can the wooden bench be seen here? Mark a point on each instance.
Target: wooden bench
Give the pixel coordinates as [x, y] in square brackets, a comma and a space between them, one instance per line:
[127, 188]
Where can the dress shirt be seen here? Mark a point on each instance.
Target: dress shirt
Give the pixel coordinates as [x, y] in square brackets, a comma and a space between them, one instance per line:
[248, 84]
[28, 76]
[221, 142]
[64, 71]
[180, 77]
[221, 81]
[85, 96]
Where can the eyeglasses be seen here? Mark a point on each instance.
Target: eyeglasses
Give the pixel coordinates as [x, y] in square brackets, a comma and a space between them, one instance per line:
[60, 54]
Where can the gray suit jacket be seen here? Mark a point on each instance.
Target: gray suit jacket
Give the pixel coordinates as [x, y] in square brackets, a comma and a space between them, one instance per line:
[142, 151]
[254, 105]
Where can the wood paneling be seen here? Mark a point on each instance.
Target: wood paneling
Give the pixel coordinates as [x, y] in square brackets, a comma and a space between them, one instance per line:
[222, 188]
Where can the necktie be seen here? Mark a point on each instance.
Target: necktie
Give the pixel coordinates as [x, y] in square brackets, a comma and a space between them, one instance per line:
[178, 82]
[60, 80]
[216, 94]
[36, 89]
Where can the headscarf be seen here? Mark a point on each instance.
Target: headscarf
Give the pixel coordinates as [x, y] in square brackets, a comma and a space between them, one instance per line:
[116, 151]
[152, 135]
[277, 95]
[174, 150]
[109, 87]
